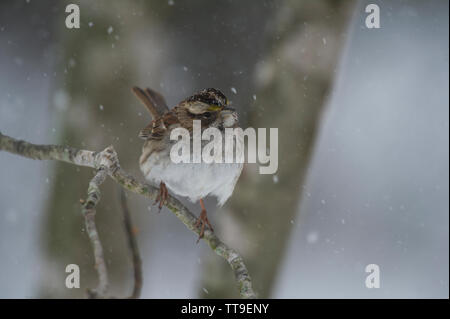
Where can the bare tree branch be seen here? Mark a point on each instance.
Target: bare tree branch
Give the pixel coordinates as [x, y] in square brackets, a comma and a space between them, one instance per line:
[107, 162]
[132, 243]
[89, 217]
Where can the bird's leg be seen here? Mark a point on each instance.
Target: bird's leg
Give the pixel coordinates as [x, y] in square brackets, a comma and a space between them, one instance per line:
[162, 196]
[202, 220]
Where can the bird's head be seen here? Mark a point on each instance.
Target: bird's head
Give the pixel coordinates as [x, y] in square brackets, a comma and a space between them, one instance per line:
[206, 100]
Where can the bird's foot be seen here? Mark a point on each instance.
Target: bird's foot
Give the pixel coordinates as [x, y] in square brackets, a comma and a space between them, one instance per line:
[202, 221]
[162, 196]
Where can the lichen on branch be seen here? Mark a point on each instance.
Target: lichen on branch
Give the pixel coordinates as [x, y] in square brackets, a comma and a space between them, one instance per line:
[107, 164]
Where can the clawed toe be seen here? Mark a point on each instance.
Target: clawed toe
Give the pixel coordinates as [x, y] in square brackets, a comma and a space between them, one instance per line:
[202, 221]
[161, 199]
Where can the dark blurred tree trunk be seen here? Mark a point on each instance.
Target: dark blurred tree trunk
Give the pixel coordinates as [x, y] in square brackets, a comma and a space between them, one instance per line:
[293, 81]
[96, 71]
[180, 49]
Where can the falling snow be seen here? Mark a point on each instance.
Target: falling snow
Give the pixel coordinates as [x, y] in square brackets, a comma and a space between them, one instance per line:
[72, 63]
[312, 237]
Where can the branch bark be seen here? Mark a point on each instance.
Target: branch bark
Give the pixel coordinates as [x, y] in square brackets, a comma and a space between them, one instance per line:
[132, 243]
[89, 218]
[107, 164]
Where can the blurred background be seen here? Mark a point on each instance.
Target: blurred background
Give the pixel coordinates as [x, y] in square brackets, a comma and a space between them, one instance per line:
[362, 115]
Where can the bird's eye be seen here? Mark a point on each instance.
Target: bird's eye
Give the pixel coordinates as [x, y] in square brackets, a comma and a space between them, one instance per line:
[207, 114]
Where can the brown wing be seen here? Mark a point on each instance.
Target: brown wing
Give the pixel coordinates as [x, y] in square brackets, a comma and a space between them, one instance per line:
[158, 127]
[177, 115]
[154, 101]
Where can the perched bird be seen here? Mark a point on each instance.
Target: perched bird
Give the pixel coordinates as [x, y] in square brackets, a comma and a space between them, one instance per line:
[192, 180]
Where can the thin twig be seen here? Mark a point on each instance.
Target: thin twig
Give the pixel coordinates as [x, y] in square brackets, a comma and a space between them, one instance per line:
[89, 217]
[108, 158]
[132, 244]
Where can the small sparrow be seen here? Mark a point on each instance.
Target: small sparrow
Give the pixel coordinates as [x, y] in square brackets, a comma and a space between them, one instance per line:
[192, 180]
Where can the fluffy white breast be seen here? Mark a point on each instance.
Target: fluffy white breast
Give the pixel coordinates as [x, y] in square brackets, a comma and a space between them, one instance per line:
[192, 180]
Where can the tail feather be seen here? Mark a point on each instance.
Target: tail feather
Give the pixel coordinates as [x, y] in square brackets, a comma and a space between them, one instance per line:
[154, 101]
